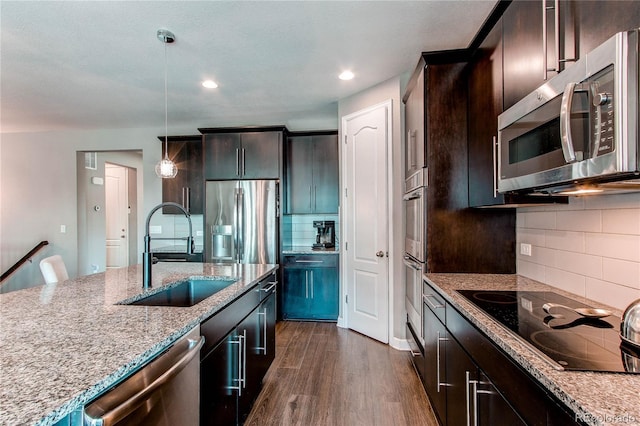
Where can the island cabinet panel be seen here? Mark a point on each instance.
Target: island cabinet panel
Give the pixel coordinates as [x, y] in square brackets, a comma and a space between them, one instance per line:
[187, 188]
[311, 173]
[310, 287]
[239, 348]
[242, 154]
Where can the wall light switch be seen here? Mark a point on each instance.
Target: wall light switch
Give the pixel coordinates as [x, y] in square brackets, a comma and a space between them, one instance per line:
[199, 233]
[63, 229]
[525, 249]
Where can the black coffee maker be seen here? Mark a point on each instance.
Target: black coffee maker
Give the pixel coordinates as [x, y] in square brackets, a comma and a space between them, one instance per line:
[326, 236]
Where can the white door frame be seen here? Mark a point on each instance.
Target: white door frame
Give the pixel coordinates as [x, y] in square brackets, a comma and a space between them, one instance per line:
[343, 319]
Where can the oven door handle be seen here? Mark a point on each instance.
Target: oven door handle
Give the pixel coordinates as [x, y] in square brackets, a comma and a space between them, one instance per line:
[565, 123]
[411, 264]
[412, 196]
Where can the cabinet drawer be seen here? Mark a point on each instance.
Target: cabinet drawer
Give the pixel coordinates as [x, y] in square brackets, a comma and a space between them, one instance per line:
[311, 261]
[435, 302]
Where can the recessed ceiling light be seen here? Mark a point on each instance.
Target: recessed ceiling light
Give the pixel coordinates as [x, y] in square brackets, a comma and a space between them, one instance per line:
[209, 84]
[346, 75]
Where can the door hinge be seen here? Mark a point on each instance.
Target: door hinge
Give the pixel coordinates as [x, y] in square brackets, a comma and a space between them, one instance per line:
[346, 192]
[346, 298]
[345, 138]
[346, 246]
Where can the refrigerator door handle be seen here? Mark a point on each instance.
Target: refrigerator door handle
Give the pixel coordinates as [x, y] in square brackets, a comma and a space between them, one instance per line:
[241, 225]
[236, 226]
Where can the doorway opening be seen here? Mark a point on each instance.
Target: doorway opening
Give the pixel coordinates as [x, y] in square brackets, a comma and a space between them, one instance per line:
[109, 192]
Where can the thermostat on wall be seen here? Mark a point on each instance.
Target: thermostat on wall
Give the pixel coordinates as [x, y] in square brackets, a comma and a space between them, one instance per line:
[96, 180]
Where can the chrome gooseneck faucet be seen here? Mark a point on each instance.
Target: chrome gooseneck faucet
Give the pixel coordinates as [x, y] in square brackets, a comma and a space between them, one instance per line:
[147, 256]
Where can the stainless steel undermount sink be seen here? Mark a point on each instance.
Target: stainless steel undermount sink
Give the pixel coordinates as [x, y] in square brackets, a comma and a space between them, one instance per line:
[184, 293]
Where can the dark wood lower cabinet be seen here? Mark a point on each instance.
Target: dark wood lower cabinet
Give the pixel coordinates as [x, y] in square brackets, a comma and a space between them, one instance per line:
[470, 381]
[231, 370]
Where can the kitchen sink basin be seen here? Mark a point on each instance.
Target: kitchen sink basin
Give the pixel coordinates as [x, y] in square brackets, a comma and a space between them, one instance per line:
[184, 293]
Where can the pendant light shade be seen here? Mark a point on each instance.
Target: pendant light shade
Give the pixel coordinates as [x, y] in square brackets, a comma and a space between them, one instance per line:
[166, 169]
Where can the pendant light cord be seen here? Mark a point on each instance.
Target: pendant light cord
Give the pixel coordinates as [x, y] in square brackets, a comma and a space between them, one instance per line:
[166, 107]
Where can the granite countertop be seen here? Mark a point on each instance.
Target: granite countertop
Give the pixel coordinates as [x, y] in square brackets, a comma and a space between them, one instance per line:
[596, 398]
[63, 344]
[309, 250]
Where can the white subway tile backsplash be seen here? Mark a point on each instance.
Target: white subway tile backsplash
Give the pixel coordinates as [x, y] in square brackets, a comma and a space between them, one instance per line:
[610, 294]
[535, 237]
[626, 247]
[584, 220]
[565, 240]
[621, 221]
[540, 220]
[568, 281]
[621, 272]
[590, 247]
[614, 201]
[578, 263]
[530, 270]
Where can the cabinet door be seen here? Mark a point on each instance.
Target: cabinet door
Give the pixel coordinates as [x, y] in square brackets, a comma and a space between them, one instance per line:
[295, 293]
[323, 297]
[598, 20]
[261, 153]
[490, 407]
[187, 187]
[219, 380]
[299, 184]
[250, 330]
[415, 152]
[325, 174]
[485, 104]
[461, 377]
[435, 337]
[523, 51]
[267, 313]
[222, 156]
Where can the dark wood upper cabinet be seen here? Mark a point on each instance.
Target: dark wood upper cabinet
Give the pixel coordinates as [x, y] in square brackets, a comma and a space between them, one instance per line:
[187, 188]
[312, 176]
[242, 153]
[485, 104]
[583, 25]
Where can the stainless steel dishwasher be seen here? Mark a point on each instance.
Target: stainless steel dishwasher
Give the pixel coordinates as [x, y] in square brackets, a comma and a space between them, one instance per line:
[165, 391]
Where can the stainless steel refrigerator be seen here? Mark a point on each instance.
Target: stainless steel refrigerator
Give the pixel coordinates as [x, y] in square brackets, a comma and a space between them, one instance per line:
[241, 221]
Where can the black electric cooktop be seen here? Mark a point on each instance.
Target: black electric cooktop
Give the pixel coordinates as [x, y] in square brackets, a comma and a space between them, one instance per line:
[566, 339]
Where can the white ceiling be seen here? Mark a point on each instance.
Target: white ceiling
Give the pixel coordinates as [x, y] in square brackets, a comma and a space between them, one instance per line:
[98, 64]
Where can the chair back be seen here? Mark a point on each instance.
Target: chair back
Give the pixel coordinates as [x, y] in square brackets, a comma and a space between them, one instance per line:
[53, 269]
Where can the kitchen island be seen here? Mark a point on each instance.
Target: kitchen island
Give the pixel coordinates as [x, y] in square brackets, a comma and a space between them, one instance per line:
[593, 398]
[61, 345]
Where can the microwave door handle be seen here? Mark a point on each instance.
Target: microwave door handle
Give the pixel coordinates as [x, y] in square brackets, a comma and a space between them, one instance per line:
[565, 124]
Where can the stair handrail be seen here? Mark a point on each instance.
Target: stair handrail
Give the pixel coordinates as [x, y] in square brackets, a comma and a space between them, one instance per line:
[24, 258]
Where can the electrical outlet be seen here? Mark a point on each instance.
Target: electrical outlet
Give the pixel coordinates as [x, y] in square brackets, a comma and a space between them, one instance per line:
[525, 249]
[155, 229]
[63, 229]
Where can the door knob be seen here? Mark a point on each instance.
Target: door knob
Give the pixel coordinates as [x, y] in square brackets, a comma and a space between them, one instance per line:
[380, 253]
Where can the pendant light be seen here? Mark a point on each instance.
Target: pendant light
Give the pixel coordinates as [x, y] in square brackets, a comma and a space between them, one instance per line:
[166, 168]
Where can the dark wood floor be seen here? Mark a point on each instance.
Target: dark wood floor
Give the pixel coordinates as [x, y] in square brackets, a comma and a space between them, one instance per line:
[325, 375]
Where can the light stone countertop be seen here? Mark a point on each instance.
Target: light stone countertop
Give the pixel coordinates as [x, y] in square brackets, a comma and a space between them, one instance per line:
[309, 250]
[596, 398]
[61, 345]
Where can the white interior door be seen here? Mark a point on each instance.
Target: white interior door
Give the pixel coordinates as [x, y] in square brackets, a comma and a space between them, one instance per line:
[116, 215]
[366, 137]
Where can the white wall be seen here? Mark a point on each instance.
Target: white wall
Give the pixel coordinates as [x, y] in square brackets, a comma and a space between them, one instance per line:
[390, 89]
[590, 247]
[38, 191]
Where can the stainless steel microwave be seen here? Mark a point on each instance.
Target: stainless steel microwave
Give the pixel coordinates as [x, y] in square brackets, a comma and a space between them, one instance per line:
[578, 132]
